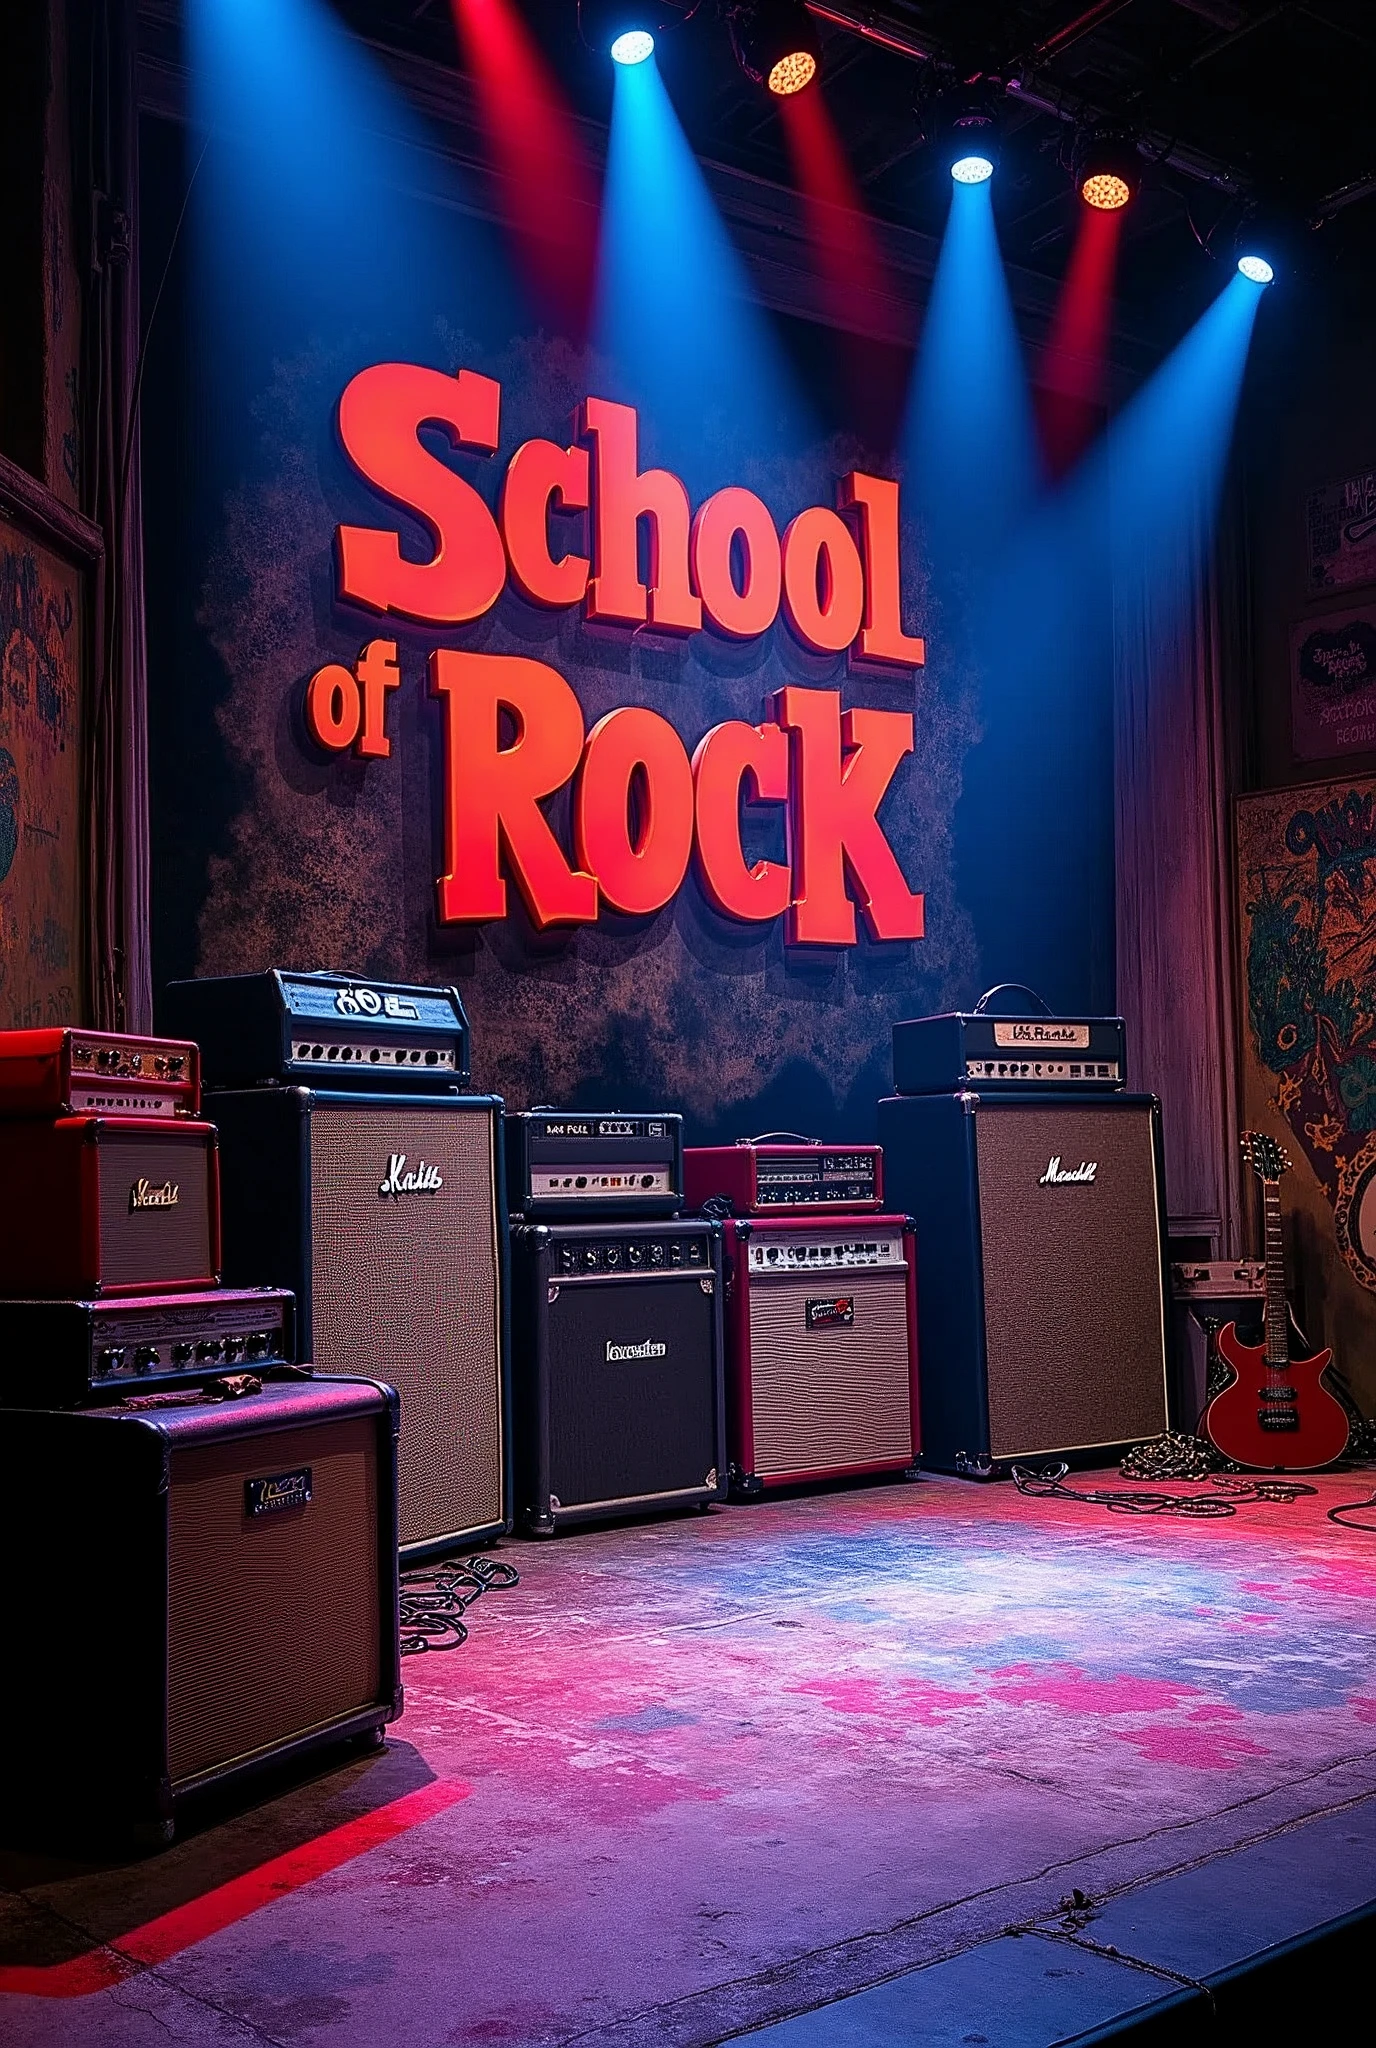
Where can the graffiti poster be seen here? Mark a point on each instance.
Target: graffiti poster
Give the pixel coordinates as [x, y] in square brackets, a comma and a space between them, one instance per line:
[1307, 926]
[1333, 685]
[41, 944]
[1341, 524]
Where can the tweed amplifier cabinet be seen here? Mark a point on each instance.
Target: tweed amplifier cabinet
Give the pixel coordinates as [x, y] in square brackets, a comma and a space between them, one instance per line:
[821, 1349]
[383, 1214]
[239, 1567]
[1041, 1280]
[108, 1205]
[619, 1401]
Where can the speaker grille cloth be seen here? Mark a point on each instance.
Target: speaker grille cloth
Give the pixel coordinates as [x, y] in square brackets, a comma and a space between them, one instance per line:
[1073, 1314]
[837, 1396]
[631, 1428]
[154, 1246]
[273, 1623]
[406, 1287]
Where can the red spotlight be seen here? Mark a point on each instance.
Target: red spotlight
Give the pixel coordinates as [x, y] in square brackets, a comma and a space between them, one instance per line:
[550, 191]
[845, 247]
[1070, 396]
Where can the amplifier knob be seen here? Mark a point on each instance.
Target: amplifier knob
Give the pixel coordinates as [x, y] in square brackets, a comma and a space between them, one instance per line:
[209, 1348]
[111, 1359]
[656, 1255]
[234, 1347]
[258, 1343]
[182, 1354]
[613, 1255]
[146, 1357]
[635, 1254]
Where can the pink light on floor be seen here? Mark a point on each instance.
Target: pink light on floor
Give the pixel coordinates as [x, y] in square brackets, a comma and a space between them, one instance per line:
[1072, 384]
[550, 193]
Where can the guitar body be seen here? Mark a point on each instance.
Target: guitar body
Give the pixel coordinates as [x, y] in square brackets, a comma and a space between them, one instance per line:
[1275, 1419]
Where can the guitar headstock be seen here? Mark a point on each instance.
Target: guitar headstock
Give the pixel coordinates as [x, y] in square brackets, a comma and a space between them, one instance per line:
[1266, 1156]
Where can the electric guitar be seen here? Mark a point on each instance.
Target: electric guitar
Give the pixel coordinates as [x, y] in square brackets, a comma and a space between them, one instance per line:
[1276, 1415]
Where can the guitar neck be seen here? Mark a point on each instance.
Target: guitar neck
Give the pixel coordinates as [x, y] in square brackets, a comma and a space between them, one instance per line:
[1277, 1323]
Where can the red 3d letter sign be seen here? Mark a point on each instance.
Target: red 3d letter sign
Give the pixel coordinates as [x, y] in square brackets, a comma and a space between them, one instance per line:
[643, 811]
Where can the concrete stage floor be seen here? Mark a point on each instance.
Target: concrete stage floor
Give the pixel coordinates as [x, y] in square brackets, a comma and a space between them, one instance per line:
[703, 1776]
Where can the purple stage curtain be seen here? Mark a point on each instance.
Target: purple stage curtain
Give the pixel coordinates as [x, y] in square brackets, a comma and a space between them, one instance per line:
[105, 129]
[1178, 656]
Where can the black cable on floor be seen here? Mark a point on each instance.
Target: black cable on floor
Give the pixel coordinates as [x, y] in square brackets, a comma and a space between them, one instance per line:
[1228, 1493]
[1346, 1508]
[435, 1597]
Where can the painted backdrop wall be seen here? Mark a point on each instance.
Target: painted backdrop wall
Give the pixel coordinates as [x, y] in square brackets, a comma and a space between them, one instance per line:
[267, 853]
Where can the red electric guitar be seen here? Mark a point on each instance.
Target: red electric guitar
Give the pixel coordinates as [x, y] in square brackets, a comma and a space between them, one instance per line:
[1277, 1415]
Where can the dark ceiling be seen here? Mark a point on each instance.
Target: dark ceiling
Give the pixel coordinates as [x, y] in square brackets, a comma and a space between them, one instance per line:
[1237, 101]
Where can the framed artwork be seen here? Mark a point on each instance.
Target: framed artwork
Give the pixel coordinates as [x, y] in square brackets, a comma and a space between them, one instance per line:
[48, 557]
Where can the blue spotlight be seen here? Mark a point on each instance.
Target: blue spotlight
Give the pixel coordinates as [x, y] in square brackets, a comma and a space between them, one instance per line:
[972, 170]
[1256, 269]
[633, 46]
[970, 438]
[676, 315]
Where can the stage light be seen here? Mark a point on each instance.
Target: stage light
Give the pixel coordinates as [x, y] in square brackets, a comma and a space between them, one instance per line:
[972, 170]
[1107, 169]
[633, 46]
[776, 44]
[1256, 269]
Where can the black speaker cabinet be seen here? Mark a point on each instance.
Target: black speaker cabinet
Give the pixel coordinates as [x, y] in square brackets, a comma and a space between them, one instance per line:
[1041, 1272]
[619, 1395]
[383, 1214]
[237, 1569]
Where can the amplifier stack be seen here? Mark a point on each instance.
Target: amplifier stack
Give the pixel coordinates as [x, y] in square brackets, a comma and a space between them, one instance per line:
[1036, 1182]
[617, 1320]
[821, 1319]
[359, 1174]
[254, 1504]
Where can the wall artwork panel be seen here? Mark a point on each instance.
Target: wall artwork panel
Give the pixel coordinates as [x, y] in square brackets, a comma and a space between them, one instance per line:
[1307, 922]
[42, 655]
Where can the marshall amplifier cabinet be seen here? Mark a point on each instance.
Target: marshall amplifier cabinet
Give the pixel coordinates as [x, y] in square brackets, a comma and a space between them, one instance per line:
[618, 1388]
[821, 1350]
[1041, 1282]
[108, 1205]
[68, 1072]
[594, 1162]
[779, 1173]
[73, 1354]
[994, 1049]
[384, 1216]
[324, 1030]
[239, 1570]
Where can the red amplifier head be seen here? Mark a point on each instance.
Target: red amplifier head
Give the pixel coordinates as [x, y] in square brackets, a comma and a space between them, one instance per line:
[109, 1205]
[779, 1175]
[66, 1071]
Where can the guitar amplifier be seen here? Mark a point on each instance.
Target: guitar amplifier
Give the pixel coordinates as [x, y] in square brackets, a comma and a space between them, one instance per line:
[773, 1175]
[821, 1350]
[238, 1567]
[384, 1215]
[73, 1354]
[995, 1049]
[108, 1205]
[564, 1163]
[618, 1391]
[1041, 1282]
[323, 1030]
[70, 1072]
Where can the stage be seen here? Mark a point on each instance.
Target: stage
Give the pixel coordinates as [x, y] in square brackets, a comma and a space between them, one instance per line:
[1025, 1767]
